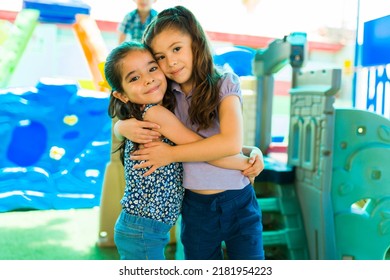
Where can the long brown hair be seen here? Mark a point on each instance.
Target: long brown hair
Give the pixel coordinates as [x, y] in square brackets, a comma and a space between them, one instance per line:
[205, 97]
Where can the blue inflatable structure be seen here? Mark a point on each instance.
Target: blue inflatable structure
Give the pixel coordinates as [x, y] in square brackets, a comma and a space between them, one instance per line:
[54, 11]
[238, 58]
[55, 146]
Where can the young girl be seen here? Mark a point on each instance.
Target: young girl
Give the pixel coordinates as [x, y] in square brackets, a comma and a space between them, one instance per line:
[219, 204]
[151, 204]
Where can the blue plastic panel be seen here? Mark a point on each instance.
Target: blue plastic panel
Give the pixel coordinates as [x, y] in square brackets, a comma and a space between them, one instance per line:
[238, 58]
[376, 42]
[63, 11]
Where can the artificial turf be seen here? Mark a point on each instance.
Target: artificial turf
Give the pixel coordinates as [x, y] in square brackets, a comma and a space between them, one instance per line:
[52, 235]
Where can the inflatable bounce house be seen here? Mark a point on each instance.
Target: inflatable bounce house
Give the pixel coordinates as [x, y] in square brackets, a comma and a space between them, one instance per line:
[55, 145]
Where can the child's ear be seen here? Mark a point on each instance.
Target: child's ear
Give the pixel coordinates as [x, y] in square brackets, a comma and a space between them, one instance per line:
[120, 96]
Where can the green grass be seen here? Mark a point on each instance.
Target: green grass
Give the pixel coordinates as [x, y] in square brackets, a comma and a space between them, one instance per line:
[52, 235]
[59, 235]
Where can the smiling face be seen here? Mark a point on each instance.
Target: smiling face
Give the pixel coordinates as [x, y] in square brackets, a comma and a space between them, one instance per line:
[173, 52]
[143, 81]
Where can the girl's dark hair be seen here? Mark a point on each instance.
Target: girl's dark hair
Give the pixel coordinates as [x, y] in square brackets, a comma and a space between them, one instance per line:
[113, 73]
[205, 98]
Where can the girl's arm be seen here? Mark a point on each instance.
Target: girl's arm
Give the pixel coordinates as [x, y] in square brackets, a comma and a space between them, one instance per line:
[172, 128]
[141, 132]
[226, 143]
[137, 131]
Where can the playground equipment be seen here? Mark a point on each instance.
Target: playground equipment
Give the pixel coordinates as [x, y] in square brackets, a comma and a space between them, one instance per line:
[73, 13]
[283, 229]
[291, 49]
[113, 188]
[341, 175]
[63, 11]
[236, 58]
[14, 39]
[112, 192]
[93, 46]
[310, 150]
[53, 158]
[284, 233]
[361, 184]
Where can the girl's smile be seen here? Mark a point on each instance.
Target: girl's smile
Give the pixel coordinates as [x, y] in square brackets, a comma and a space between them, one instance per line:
[143, 82]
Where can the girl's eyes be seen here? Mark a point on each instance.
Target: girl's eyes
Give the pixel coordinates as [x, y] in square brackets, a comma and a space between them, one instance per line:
[159, 58]
[136, 78]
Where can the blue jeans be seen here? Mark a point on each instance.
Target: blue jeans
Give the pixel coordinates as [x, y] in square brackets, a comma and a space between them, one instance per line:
[232, 216]
[138, 238]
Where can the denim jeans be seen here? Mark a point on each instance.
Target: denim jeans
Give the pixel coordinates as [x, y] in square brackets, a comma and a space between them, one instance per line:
[138, 238]
[232, 216]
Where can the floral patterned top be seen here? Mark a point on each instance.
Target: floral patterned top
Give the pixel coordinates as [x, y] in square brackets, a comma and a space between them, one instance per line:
[158, 196]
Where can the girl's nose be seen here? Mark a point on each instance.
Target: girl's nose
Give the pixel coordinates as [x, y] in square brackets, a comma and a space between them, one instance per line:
[172, 62]
[149, 80]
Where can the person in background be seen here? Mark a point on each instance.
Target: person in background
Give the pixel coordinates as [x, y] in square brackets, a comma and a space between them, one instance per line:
[134, 23]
